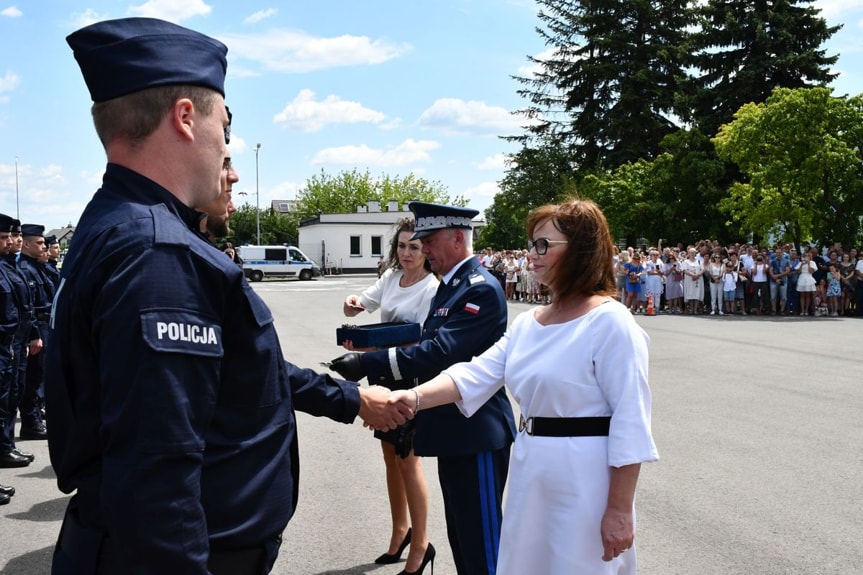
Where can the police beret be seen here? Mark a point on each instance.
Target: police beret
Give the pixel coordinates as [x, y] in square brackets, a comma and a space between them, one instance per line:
[51, 240]
[431, 218]
[32, 230]
[6, 223]
[119, 57]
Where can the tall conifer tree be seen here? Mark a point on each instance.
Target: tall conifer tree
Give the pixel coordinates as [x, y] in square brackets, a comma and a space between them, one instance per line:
[745, 48]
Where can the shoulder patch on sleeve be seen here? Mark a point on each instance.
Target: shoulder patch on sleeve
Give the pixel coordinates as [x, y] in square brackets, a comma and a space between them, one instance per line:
[181, 331]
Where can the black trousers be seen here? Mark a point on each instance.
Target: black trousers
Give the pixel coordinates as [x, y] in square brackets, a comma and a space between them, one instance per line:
[472, 487]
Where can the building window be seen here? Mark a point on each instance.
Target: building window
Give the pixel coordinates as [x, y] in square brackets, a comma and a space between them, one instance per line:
[377, 246]
[356, 246]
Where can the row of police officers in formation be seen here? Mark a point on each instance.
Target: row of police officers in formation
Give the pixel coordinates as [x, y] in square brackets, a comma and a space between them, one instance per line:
[28, 280]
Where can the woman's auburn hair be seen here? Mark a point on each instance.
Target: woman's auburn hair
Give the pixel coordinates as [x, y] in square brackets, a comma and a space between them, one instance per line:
[587, 267]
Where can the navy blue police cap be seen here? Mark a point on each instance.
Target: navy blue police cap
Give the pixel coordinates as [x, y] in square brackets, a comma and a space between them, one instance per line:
[32, 230]
[16, 227]
[6, 223]
[119, 57]
[51, 241]
[431, 218]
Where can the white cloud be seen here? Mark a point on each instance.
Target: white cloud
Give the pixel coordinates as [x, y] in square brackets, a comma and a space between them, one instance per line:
[530, 69]
[260, 15]
[408, 152]
[456, 116]
[9, 82]
[483, 190]
[11, 12]
[495, 162]
[171, 9]
[308, 115]
[87, 17]
[291, 51]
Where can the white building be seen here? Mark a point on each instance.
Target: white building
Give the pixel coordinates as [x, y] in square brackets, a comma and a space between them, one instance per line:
[352, 243]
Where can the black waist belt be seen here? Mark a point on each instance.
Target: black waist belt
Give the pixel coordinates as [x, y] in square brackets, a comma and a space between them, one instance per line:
[565, 426]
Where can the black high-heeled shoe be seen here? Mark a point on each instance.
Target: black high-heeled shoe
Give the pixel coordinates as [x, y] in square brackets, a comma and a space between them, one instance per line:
[427, 558]
[387, 558]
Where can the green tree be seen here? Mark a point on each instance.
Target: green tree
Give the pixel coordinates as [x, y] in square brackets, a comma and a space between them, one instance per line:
[744, 49]
[276, 228]
[608, 91]
[802, 154]
[343, 192]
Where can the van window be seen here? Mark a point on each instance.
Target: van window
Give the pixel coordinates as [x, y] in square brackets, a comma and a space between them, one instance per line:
[275, 254]
[297, 256]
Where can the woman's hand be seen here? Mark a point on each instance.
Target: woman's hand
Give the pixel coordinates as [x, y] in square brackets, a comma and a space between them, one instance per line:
[617, 531]
[352, 306]
[349, 345]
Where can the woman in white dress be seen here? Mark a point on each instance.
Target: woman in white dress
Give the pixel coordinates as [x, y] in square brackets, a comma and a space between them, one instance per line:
[653, 285]
[404, 292]
[806, 284]
[693, 286]
[578, 370]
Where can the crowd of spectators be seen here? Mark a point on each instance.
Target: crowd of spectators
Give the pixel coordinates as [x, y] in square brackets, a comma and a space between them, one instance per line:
[707, 278]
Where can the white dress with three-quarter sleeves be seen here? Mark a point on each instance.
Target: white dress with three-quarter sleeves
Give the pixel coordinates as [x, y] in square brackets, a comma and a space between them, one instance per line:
[592, 366]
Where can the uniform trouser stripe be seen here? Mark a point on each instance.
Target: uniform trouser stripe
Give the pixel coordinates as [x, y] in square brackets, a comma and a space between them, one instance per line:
[488, 502]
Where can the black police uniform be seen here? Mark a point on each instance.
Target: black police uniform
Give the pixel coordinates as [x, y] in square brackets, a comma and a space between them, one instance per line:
[26, 332]
[468, 316]
[172, 408]
[8, 327]
[33, 395]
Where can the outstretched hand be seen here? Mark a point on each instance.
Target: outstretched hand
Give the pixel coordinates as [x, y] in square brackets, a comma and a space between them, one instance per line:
[378, 412]
[405, 397]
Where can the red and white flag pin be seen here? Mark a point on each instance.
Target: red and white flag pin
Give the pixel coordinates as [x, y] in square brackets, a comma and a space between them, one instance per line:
[471, 308]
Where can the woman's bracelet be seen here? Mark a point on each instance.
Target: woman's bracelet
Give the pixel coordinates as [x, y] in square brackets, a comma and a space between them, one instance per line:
[417, 404]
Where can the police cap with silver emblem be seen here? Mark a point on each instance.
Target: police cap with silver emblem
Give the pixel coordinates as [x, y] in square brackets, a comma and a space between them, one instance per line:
[16, 227]
[51, 240]
[431, 218]
[119, 57]
[32, 230]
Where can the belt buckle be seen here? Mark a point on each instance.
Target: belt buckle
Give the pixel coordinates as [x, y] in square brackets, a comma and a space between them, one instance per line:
[525, 425]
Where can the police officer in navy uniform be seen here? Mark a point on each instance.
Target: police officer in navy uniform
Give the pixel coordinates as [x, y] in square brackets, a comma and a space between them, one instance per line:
[467, 317]
[171, 406]
[27, 340]
[51, 268]
[32, 265]
[10, 455]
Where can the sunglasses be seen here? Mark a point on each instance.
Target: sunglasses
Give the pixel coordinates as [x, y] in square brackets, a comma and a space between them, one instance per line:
[541, 245]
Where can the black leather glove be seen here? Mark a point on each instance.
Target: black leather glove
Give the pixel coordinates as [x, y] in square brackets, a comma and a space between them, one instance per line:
[349, 366]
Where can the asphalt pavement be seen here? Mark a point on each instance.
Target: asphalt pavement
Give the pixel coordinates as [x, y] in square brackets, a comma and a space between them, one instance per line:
[757, 421]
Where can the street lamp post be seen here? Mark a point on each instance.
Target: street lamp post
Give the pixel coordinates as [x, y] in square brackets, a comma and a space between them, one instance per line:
[17, 209]
[257, 195]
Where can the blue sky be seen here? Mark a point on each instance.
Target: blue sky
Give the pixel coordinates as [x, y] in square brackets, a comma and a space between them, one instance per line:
[392, 86]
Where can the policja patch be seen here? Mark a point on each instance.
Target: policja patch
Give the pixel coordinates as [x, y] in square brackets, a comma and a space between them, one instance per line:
[180, 331]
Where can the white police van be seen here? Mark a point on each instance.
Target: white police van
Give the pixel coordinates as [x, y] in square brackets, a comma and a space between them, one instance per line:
[277, 261]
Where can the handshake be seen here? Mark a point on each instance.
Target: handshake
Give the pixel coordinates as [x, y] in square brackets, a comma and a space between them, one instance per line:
[380, 408]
